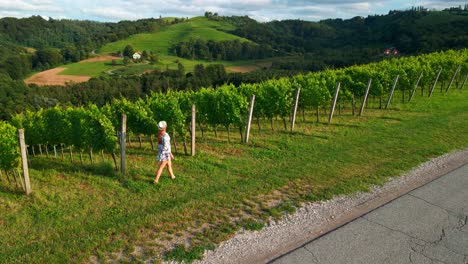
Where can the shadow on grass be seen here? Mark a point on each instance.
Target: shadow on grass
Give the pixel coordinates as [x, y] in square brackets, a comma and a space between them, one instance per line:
[141, 151]
[299, 133]
[344, 125]
[135, 180]
[16, 191]
[389, 118]
[98, 168]
[117, 63]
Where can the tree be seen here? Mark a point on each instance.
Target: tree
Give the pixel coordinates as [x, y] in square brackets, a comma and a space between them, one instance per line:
[127, 60]
[180, 69]
[153, 57]
[50, 56]
[145, 55]
[128, 51]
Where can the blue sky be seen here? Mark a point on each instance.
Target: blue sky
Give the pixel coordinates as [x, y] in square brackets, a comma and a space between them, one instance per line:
[261, 10]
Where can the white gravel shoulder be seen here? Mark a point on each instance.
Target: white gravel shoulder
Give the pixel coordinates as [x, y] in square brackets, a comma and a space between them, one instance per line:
[314, 219]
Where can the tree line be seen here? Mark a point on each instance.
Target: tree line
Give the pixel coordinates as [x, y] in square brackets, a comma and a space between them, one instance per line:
[230, 50]
[16, 96]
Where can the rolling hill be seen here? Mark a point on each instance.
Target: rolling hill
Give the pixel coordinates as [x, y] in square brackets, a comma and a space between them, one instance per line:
[162, 40]
[292, 45]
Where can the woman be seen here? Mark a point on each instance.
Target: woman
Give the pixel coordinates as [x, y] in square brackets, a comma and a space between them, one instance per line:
[164, 151]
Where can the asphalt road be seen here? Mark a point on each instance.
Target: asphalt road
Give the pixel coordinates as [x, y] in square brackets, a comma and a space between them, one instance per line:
[427, 225]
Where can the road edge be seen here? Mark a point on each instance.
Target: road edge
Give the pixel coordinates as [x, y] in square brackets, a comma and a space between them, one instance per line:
[256, 251]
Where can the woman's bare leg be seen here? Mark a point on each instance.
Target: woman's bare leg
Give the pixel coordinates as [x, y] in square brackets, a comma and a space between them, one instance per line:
[162, 164]
[169, 168]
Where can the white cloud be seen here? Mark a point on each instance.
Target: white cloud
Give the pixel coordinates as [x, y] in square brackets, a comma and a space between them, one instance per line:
[439, 4]
[17, 14]
[262, 10]
[35, 5]
[360, 7]
[42, 2]
[112, 13]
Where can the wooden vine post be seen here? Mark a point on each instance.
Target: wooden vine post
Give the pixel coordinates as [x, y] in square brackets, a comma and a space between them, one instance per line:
[435, 82]
[369, 83]
[415, 87]
[123, 133]
[294, 112]
[395, 82]
[194, 114]
[463, 84]
[335, 99]
[24, 161]
[249, 120]
[453, 78]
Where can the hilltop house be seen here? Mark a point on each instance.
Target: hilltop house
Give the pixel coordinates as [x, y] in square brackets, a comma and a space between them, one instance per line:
[137, 55]
[391, 51]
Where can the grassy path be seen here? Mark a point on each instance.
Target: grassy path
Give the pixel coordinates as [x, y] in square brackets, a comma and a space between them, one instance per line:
[82, 211]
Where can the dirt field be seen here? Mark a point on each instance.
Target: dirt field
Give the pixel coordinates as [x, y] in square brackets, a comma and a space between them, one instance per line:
[52, 77]
[101, 58]
[242, 69]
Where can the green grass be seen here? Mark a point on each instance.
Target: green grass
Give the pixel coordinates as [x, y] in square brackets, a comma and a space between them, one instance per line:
[93, 69]
[78, 211]
[98, 68]
[161, 41]
[170, 63]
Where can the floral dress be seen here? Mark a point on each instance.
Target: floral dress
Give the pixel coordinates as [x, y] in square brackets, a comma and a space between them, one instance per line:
[164, 148]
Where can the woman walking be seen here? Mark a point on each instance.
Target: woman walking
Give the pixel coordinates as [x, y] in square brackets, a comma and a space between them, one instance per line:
[164, 151]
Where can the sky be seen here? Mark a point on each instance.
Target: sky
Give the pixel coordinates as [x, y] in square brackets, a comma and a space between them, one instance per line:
[261, 10]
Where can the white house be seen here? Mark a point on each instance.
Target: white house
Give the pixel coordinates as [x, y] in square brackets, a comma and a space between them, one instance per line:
[136, 55]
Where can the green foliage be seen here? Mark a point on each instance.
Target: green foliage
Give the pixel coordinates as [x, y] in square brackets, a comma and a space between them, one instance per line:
[229, 50]
[182, 254]
[127, 60]
[253, 225]
[314, 92]
[99, 133]
[167, 108]
[59, 41]
[77, 118]
[50, 57]
[363, 39]
[161, 40]
[230, 106]
[275, 98]
[92, 68]
[90, 129]
[128, 51]
[84, 128]
[56, 125]
[9, 149]
[33, 124]
[139, 116]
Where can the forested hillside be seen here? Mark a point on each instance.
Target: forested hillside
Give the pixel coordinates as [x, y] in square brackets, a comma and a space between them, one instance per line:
[339, 42]
[292, 46]
[56, 42]
[412, 31]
